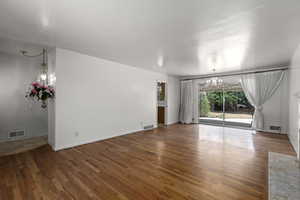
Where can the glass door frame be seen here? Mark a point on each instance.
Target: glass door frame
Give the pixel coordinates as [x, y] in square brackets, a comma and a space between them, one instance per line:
[222, 122]
[217, 121]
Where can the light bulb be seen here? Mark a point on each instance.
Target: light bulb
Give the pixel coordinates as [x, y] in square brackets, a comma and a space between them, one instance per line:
[52, 79]
[43, 77]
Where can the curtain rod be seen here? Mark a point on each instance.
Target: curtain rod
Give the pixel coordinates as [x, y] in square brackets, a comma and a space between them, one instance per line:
[280, 68]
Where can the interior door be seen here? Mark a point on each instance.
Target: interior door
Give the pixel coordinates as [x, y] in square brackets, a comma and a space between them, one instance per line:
[161, 115]
[161, 103]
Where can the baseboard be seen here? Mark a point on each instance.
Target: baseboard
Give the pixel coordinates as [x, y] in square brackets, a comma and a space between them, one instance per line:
[273, 132]
[172, 123]
[68, 146]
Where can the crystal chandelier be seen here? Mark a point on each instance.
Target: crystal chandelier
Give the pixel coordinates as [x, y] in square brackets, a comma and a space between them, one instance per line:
[43, 77]
[42, 89]
[214, 83]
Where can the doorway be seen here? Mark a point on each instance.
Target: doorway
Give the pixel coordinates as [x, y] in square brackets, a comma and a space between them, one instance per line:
[225, 105]
[161, 103]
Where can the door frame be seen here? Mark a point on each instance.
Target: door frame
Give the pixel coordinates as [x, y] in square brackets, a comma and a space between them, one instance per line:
[166, 102]
[222, 122]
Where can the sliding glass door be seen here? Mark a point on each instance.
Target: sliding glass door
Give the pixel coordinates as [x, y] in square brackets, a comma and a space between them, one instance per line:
[211, 106]
[225, 105]
[237, 110]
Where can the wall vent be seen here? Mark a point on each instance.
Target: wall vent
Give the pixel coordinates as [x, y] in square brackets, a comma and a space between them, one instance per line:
[149, 127]
[275, 128]
[14, 134]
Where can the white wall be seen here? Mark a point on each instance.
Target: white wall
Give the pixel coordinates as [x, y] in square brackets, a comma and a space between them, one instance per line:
[173, 97]
[98, 99]
[276, 109]
[294, 87]
[16, 112]
[51, 102]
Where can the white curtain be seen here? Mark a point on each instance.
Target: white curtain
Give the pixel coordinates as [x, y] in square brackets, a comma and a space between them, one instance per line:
[186, 102]
[259, 88]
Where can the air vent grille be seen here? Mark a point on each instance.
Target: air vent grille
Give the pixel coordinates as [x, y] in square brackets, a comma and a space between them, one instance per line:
[275, 128]
[149, 127]
[14, 134]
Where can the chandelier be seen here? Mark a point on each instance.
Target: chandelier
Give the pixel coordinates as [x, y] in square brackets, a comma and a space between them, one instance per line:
[43, 78]
[42, 89]
[214, 83]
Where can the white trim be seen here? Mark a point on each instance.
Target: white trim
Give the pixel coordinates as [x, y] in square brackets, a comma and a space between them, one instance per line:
[172, 123]
[295, 140]
[104, 138]
[292, 141]
[94, 140]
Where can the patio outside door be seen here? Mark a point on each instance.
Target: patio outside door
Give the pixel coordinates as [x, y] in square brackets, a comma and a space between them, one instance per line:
[225, 106]
[211, 106]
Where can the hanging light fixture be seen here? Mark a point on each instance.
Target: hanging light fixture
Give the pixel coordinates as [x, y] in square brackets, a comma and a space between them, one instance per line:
[43, 76]
[214, 82]
[42, 89]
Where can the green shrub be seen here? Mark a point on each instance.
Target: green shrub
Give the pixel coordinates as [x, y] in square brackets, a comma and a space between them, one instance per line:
[204, 106]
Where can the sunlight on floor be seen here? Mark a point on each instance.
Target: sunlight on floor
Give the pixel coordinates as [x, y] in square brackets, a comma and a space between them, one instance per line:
[232, 136]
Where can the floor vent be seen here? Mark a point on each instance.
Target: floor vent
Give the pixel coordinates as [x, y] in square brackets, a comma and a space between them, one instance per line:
[275, 128]
[14, 134]
[149, 127]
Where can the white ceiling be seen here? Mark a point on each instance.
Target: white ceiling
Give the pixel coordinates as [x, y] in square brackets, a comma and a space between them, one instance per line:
[189, 37]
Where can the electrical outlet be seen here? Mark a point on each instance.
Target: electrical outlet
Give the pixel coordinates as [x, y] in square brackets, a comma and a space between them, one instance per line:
[76, 134]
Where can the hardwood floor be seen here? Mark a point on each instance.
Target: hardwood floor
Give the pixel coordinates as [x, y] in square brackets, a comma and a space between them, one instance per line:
[19, 146]
[179, 162]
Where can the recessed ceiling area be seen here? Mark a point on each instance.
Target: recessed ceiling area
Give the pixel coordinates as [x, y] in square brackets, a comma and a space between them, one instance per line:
[176, 37]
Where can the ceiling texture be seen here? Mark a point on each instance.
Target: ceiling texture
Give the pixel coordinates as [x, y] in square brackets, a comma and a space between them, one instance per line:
[179, 37]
